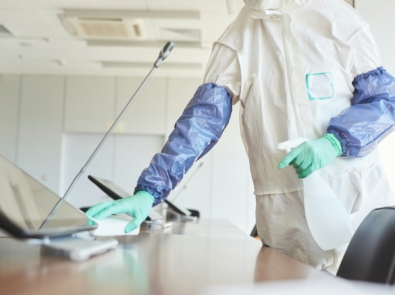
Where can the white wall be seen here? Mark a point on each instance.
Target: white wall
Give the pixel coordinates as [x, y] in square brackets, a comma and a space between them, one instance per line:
[90, 104]
[380, 15]
[9, 100]
[121, 160]
[40, 128]
[50, 125]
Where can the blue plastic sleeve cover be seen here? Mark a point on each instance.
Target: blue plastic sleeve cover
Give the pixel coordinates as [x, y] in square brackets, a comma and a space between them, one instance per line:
[195, 133]
[361, 127]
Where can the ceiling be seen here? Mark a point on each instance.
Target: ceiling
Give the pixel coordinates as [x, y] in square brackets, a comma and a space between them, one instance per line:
[40, 43]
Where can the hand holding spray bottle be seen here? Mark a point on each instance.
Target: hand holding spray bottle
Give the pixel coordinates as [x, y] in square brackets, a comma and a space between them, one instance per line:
[328, 220]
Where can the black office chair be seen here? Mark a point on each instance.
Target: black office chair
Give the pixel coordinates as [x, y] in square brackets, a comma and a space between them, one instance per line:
[254, 232]
[370, 257]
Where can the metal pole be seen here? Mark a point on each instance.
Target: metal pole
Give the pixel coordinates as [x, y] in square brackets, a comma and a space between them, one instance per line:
[163, 54]
[83, 169]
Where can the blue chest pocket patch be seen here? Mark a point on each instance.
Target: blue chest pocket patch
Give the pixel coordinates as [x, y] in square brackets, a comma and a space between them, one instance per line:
[319, 86]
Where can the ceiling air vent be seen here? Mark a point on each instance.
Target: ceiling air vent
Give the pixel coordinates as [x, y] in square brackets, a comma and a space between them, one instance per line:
[106, 28]
[4, 32]
[180, 34]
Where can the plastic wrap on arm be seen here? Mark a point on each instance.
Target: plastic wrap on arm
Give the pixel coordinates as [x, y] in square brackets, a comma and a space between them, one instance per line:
[195, 133]
[371, 118]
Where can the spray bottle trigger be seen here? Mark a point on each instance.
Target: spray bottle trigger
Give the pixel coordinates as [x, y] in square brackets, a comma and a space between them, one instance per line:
[291, 144]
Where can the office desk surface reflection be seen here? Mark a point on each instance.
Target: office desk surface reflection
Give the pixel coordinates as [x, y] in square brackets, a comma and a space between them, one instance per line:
[182, 260]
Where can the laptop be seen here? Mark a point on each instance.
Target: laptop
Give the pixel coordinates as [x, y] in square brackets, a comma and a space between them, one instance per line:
[25, 205]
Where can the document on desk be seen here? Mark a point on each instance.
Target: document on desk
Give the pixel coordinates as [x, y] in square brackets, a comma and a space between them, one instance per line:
[316, 286]
[113, 226]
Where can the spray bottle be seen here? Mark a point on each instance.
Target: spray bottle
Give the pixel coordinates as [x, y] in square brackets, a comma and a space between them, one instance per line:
[328, 220]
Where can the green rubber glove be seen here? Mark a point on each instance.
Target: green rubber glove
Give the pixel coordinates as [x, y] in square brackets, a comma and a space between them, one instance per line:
[138, 206]
[312, 155]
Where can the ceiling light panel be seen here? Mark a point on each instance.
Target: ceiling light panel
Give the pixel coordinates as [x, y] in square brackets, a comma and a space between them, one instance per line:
[167, 65]
[105, 14]
[201, 5]
[176, 34]
[154, 44]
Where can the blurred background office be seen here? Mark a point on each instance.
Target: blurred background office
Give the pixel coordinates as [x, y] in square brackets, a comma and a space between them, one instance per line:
[69, 66]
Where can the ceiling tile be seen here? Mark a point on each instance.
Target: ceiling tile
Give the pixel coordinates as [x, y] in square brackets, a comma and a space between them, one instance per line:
[96, 4]
[216, 6]
[42, 41]
[17, 4]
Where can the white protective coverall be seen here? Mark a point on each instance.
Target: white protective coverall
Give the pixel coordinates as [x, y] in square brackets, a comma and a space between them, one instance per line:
[291, 65]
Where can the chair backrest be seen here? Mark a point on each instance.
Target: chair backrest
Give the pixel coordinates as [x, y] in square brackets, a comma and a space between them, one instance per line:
[254, 232]
[370, 257]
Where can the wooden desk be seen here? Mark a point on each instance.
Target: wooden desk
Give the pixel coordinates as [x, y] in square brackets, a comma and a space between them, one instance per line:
[150, 263]
[201, 228]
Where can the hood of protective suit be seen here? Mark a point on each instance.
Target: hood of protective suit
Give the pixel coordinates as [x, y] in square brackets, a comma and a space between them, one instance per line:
[262, 5]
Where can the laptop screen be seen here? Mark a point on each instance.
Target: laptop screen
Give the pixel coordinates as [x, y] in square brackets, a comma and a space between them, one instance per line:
[27, 203]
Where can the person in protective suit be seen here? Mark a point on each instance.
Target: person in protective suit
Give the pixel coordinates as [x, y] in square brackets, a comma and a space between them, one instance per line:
[299, 69]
